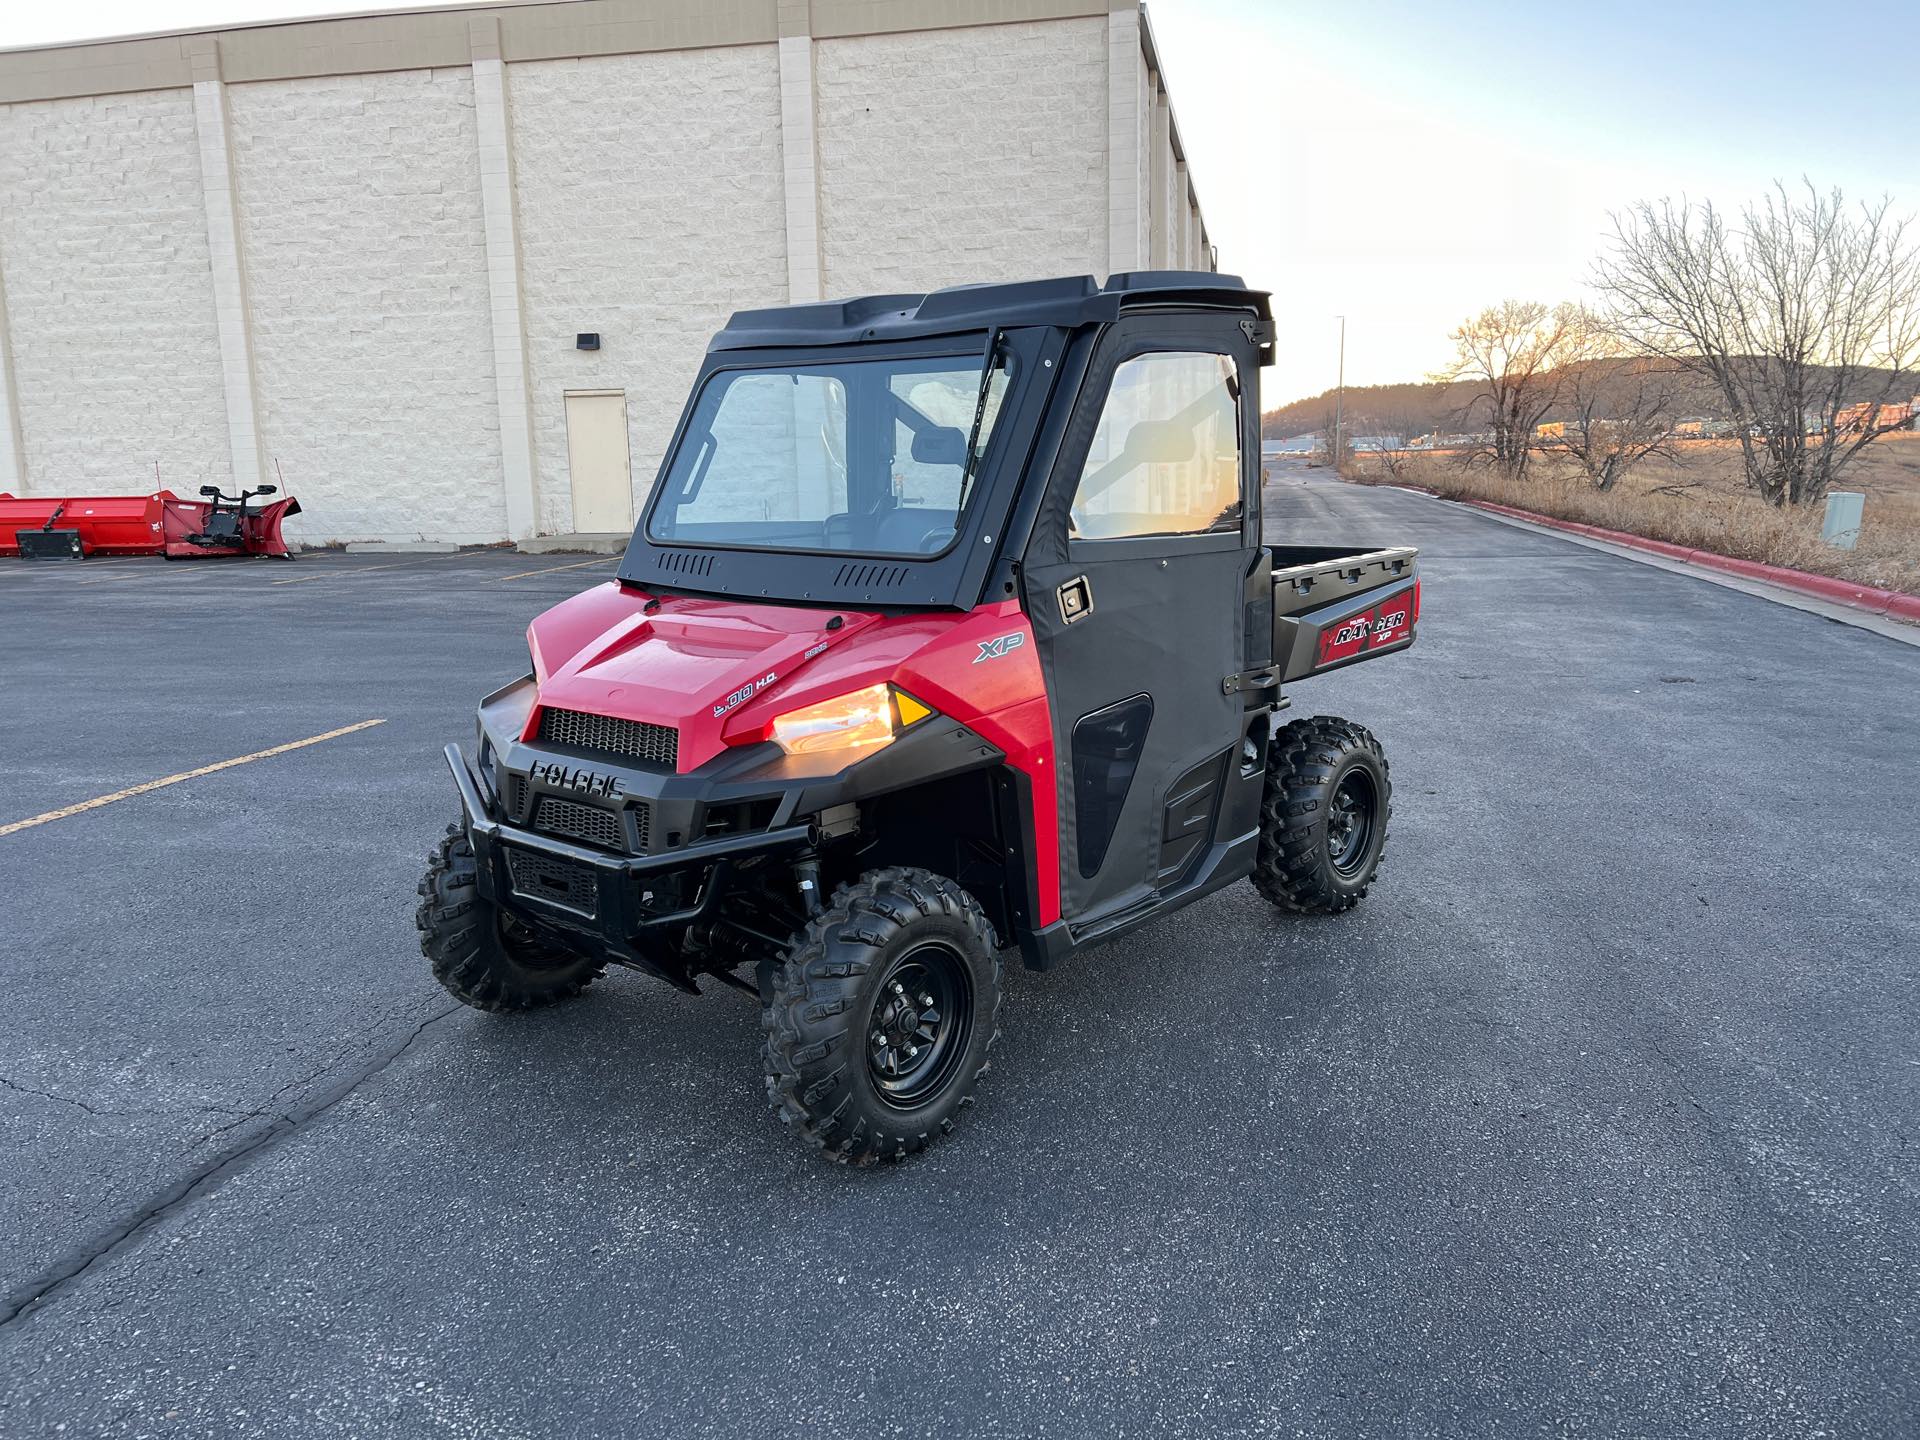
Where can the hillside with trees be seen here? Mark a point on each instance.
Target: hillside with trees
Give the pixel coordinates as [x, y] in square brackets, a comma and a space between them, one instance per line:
[1409, 408]
[1729, 370]
[1791, 327]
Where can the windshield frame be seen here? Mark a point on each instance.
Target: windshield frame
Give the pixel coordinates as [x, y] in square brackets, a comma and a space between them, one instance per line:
[1042, 359]
[978, 349]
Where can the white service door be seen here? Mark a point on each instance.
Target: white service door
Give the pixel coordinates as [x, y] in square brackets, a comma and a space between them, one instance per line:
[597, 461]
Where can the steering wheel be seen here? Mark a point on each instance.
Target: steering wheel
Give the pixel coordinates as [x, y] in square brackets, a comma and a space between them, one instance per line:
[936, 540]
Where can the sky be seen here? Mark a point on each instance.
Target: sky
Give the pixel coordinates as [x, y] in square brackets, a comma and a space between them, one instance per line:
[1406, 162]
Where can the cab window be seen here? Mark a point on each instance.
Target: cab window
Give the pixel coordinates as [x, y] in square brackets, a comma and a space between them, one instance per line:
[1165, 458]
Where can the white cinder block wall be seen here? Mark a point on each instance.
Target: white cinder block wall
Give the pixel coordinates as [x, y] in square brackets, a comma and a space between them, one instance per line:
[956, 156]
[666, 162]
[649, 200]
[359, 207]
[115, 359]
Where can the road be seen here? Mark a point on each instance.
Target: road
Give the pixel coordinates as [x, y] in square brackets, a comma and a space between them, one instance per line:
[1597, 1118]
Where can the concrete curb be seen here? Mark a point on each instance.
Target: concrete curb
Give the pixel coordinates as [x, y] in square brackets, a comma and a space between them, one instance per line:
[401, 547]
[583, 543]
[1873, 600]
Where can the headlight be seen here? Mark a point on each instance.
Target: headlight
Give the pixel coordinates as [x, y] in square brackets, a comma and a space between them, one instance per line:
[860, 720]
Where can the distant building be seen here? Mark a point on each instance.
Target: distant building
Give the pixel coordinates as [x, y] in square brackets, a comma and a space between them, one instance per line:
[1859, 417]
[1292, 445]
[446, 274]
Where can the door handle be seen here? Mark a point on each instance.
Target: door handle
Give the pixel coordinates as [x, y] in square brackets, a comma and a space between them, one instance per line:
[1076, 599]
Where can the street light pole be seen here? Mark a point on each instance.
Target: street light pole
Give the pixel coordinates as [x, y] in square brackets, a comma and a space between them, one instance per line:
[1340, 395]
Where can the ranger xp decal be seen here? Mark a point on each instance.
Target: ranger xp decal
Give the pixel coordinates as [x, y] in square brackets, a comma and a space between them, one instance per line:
[1372, 629]
[1000, 646]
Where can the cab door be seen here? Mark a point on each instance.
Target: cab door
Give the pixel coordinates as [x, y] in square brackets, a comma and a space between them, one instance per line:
[1136, 585]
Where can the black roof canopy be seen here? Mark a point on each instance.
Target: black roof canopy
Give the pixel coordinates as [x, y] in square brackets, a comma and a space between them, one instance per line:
[1070, 301]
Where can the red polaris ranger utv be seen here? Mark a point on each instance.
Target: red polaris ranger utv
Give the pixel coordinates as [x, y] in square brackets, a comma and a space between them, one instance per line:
[948, 627]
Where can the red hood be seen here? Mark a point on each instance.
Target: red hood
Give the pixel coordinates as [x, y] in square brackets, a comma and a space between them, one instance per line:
[718, 671]
[690, 663]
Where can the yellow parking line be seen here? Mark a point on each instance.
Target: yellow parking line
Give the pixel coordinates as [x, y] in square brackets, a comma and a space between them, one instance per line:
[341, 574]
[549, 569]
[141, 789]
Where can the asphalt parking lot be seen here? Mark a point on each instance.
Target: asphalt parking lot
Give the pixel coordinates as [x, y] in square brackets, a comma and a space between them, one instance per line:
[1598, 1118]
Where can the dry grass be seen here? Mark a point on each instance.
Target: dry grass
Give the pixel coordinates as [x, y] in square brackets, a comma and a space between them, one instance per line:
[1708, 508]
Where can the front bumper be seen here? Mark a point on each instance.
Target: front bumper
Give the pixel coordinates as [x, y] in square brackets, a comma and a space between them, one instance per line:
[665, 846]
[586, 891]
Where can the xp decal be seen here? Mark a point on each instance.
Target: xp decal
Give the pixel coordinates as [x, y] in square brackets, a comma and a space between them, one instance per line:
[999, 647]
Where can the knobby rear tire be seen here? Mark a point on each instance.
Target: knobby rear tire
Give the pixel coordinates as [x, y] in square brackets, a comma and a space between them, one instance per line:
[1307, 764]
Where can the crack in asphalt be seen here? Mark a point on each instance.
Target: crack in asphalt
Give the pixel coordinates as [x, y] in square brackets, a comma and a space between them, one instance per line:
[20, 1089]
[201, 1180]
[104, 1113]
[271, 1105]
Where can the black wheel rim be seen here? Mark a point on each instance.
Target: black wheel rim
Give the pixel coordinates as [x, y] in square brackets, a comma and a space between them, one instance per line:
[917, 1033]
[1351, 817]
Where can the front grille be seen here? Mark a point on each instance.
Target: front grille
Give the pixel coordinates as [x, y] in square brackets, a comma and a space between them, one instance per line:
[547, 877]
[579, 822]
[655, 744]
[513, 795]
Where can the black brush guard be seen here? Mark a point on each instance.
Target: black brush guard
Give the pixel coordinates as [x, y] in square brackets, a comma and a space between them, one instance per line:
[608, 907]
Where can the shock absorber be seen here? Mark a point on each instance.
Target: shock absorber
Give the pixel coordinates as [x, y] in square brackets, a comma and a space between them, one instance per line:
[806, 874]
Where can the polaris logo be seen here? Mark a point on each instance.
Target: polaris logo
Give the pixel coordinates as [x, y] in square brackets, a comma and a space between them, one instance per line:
[578, 779]
[1000, 647]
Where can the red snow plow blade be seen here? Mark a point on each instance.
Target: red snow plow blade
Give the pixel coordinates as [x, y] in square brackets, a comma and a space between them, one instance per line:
[162, 523]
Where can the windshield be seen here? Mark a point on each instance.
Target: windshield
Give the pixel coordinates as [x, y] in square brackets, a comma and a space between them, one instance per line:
[867, 457]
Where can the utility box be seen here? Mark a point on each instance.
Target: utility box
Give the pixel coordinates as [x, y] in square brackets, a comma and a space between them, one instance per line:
[1841, 528]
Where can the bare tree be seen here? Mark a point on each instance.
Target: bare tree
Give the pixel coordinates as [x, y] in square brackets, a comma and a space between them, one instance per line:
[1514, 355]
[1794, 310]
[1324, 440]
[1393, 437]
[1615, 410]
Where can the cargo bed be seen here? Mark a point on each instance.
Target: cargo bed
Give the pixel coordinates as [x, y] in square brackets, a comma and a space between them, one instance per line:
[1333, 605]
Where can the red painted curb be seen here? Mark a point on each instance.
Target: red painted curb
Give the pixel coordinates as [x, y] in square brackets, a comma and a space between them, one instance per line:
[1870, 598]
